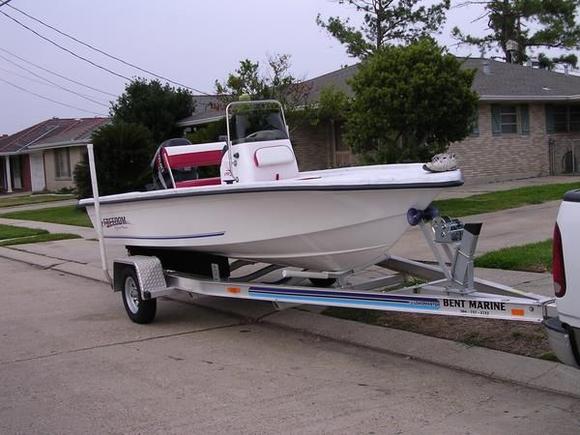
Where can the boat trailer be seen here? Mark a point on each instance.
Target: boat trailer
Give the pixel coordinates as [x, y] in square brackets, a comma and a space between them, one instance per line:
[448, 287]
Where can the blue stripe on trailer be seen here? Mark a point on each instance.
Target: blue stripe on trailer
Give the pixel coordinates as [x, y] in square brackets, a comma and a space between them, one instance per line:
[343, 301]
[381, 299]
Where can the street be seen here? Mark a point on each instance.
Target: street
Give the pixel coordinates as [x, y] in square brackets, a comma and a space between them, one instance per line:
[71, 362]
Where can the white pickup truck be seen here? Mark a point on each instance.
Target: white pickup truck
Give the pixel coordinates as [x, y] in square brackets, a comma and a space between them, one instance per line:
[564, 330]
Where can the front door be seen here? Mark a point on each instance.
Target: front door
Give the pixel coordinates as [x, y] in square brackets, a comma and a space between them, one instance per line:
[16, 170]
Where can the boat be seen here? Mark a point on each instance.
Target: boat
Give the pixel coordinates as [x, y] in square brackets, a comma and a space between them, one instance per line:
[245, 198]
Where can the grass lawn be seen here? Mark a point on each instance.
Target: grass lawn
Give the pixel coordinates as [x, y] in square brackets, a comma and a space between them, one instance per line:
[68, 215]
[11, 201]
[10, 232]
[10, 235]
[534, 257]
[495, 201]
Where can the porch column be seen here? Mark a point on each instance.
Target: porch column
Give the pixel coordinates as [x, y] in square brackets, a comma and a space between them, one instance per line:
[8, 175]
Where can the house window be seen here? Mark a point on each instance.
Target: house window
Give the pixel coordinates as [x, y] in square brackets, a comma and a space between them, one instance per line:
[562, 118]
[510, 119]
[62, 163]
[574, 118]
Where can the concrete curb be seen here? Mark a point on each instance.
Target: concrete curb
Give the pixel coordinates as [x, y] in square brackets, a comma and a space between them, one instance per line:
[529, 372]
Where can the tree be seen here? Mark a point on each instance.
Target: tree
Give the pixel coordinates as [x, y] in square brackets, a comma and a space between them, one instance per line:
[518, 26]
[155, 106]
[208, 133]
[122, 155]
[333, 104]
[144, 116]
[409, 103]
[385, 22]
[550, 63]
[278, 84]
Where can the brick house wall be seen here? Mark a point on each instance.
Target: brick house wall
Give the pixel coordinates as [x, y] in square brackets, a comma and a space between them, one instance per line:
[313, 146]
[488, 157]
[563, 149]
[485, 157]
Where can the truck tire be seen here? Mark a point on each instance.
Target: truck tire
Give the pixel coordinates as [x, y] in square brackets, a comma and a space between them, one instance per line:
[139, 310]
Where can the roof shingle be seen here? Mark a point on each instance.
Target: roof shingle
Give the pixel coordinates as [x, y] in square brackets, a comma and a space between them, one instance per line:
[51, 131]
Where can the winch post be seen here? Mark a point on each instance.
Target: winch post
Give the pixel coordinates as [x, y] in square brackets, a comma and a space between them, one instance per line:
[446, 232]
[462, 268]
[428, 234]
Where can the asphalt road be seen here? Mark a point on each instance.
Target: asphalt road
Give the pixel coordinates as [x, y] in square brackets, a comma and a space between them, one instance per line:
[71, 362]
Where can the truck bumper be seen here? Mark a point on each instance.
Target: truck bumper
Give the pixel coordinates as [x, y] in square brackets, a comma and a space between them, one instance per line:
[563, 341]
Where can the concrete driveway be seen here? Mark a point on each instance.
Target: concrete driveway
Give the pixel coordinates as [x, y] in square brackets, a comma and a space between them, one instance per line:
[71, 362]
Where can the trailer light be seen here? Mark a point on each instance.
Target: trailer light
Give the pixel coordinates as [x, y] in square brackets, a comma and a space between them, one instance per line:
[234, 290]
[558, 271]
[518, 312]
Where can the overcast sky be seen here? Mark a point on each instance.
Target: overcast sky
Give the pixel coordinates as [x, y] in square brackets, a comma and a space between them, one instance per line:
[190, 41]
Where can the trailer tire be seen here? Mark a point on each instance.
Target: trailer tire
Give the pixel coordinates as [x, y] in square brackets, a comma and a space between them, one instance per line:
[139, 310]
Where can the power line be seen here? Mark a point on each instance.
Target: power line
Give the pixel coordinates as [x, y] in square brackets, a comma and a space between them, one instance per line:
[57, 74]
[25, 77]
[98, 50]
[22, 76]
[49, 99]
[78, 56]
[70, 91]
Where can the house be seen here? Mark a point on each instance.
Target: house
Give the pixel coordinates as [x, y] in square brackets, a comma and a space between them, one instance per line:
[43, 157]
[528, 124]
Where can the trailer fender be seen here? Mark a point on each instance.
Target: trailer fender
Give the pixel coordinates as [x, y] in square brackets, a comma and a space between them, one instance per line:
[149, 273]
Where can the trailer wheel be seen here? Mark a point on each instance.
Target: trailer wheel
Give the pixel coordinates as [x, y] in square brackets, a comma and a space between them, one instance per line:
[139, 310]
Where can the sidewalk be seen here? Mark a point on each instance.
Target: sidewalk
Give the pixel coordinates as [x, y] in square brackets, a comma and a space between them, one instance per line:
[38, 205]
[84, 232]
[478, 189]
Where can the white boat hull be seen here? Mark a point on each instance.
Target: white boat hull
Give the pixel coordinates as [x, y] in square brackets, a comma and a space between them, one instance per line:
[311, 224]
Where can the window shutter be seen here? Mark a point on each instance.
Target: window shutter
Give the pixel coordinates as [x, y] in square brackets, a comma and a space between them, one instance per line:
[495, 119]
[549, 118]
[524, 120]
[475, 123]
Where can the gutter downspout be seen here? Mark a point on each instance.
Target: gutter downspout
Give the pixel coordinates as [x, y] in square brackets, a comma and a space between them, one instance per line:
[332, 143]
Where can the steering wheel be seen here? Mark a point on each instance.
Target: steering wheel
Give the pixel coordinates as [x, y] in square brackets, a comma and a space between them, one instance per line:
[264, 135]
